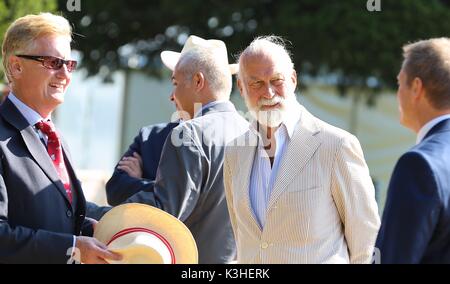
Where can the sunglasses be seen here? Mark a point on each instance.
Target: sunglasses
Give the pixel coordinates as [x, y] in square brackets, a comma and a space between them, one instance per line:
[51, 62]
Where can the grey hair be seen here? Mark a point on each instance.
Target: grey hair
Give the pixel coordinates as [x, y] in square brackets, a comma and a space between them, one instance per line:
[274, 45]
[215, 69]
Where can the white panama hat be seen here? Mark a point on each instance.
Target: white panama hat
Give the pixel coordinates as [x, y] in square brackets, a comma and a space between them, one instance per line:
[170, 58]
[146, 235]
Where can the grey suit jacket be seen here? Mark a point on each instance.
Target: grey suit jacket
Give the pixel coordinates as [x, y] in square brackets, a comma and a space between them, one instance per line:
[37, 221]
[189, 180]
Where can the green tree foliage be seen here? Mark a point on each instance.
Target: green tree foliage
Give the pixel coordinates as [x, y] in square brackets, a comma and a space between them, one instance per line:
[13, 9]
[357, 47]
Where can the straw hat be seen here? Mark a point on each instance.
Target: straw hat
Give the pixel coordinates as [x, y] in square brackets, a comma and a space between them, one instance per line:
[170, 58]
[146, 235]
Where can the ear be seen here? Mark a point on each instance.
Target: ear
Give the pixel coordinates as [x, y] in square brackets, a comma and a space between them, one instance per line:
[240, 87]
[417, 89]
[15, 67]
[199, 81]
[294, 79]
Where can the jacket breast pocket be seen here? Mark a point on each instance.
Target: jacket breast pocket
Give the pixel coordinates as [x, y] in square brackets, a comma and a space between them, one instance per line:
[312, 187]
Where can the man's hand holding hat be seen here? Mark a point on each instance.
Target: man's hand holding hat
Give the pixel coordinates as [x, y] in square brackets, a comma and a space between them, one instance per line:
[91, 251]
[143, 234]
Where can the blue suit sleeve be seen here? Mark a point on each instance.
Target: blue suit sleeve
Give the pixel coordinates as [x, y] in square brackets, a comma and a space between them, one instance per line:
[411, 211]
[179, 178]
[121, 185]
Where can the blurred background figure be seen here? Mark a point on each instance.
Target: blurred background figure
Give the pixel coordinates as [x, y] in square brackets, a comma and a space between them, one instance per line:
[4, 93]
[136, 170]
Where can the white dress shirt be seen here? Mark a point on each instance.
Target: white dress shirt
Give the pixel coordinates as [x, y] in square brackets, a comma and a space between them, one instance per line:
[428, 126]
[30, 115]
[263, 175]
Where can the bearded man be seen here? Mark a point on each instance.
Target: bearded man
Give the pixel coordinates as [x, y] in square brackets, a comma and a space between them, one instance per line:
[302, 192]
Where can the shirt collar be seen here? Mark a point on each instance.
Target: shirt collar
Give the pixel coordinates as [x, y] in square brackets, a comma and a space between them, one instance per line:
[210, 104]
[30, 114]
[428, 126]
[291, 120]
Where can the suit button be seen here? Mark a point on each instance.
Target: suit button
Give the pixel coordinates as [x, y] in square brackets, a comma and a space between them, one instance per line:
[264, 245]
[69, 213]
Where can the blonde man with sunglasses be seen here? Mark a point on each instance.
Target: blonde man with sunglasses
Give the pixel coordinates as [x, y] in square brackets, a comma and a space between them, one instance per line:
[42, 207]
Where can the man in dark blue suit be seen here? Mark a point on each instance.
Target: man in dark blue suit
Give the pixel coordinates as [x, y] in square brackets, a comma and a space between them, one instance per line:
[416, 220]
[42, 206]
[134, 173]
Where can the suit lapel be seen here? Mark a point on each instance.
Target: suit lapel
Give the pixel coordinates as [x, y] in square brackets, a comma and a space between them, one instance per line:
[300, 149]
[246, 155]
[40, 155]
[34, 145]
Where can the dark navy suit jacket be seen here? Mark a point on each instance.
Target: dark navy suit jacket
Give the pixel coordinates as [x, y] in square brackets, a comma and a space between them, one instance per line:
[37, 220]
[416, 220]
[148, 144]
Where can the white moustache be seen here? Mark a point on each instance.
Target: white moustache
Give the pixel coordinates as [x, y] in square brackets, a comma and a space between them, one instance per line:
[270, 102]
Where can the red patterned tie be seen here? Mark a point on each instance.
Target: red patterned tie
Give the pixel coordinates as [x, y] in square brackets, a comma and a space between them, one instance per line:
[55, 151]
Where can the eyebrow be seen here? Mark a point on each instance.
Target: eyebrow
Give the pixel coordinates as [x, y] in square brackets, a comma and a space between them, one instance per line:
[252, 78]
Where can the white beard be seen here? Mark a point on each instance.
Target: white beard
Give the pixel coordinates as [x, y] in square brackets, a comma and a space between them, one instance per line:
[268, 118]
[271, 118]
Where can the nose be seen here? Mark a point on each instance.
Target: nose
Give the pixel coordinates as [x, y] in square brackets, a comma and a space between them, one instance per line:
[269, 92]
[172, 98]
[63, 73]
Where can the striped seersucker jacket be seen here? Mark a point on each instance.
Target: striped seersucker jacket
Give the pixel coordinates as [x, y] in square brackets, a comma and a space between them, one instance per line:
[322, 208]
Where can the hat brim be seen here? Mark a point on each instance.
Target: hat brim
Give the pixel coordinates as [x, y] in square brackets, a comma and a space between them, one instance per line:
[134, 215]
[170, 60]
